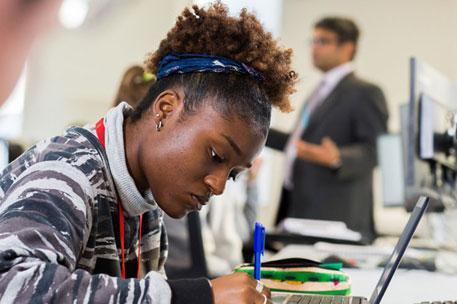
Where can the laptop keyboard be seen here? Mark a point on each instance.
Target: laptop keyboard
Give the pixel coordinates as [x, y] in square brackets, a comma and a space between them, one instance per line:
[314, 299]
[439, 302]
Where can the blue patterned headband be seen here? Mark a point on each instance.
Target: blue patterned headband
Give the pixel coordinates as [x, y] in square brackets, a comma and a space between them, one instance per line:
[187, 63]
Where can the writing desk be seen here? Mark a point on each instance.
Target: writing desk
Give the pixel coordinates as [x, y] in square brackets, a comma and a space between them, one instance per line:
[407, 286]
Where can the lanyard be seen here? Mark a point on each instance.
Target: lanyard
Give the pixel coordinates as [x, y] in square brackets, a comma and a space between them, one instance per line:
[100, 129]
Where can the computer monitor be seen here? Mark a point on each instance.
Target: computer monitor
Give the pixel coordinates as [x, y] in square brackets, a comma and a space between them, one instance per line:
[436, 134]
[430, 167]
[391, 164]
[392, 154]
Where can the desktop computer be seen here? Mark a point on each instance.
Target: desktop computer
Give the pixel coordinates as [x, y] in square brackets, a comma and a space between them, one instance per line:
[421, 160]
[430, 142]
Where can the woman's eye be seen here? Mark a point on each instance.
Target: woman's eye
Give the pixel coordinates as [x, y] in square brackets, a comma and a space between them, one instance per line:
[216, 157]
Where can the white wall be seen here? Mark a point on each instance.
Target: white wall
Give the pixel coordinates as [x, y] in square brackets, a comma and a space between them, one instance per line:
[74, 75]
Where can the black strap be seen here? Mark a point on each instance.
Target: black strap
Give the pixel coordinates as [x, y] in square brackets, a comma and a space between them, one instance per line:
[197, 250]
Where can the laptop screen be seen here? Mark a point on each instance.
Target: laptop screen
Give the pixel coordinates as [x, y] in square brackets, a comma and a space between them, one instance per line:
[399, 250]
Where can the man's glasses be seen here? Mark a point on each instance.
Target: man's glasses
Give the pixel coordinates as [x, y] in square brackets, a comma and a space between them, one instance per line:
[322, 41]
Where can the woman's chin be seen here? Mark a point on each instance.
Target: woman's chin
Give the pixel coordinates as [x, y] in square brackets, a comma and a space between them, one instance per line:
[176, 213]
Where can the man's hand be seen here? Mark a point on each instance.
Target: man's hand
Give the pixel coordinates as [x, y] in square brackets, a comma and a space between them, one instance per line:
[326, 154]
[239, 288]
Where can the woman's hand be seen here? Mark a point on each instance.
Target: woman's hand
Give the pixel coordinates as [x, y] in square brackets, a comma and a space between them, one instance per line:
[239, 288]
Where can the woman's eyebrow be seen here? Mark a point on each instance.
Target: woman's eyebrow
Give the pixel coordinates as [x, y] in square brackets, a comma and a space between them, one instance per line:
[232, 144]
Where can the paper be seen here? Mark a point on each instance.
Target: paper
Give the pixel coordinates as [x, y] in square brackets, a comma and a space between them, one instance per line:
[319, 228]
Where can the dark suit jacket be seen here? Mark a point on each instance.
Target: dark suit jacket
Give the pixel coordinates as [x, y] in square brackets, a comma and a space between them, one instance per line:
[353, 115]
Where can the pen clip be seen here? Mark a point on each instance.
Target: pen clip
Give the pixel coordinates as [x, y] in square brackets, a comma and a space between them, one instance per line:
[259, 238]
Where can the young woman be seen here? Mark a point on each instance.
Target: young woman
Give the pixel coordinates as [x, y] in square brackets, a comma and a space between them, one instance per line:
[81, 214]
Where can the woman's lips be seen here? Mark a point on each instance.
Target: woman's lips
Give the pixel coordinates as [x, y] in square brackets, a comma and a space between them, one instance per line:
[199, 201]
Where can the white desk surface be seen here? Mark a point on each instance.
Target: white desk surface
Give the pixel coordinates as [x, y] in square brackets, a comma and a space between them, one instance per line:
[407, 286]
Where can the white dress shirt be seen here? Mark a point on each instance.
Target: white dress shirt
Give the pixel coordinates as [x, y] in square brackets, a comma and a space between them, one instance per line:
[326, 86]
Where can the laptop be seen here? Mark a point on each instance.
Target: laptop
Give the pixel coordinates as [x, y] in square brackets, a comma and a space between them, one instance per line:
[386, 277]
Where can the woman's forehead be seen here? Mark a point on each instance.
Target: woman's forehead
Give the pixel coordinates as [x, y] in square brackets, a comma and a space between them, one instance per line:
[234, 132]
[228, 121]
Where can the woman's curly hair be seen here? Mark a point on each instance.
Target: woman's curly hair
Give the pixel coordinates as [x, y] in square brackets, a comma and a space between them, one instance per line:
[214, 32]
[243, 39]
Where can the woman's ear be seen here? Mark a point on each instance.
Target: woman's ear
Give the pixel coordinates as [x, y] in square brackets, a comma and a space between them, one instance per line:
[169, 103]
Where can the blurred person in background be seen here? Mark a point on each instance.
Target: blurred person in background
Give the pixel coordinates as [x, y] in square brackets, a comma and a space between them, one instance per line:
[134, 85]
[331, 153]
[21, 21]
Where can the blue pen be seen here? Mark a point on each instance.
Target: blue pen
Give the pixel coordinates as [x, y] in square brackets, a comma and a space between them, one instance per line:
[259, 247]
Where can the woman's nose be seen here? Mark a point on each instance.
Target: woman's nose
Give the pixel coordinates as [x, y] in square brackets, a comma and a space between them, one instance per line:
[216, 183]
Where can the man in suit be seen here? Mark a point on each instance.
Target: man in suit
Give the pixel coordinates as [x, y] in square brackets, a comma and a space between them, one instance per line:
[331, 153]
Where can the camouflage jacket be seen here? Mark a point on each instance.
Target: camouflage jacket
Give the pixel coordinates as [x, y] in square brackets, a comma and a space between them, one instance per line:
[59, 233]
